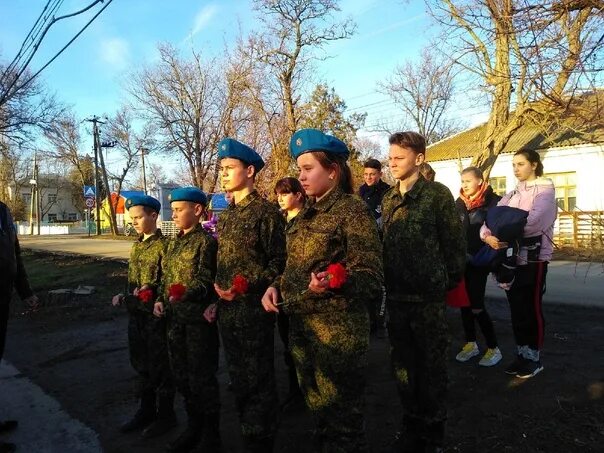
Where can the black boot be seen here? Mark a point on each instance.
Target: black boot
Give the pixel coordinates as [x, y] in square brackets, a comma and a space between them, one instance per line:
[144, 415]
[165, 421]
[210, 439]
[189, 438]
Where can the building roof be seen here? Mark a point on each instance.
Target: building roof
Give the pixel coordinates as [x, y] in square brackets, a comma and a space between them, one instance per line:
[530, 136]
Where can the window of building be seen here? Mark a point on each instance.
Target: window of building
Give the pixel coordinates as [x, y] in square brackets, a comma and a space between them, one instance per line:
[26, 197]
[72, 216]
[498, 183]
[52, 217]
[566, 189]
[52, 197]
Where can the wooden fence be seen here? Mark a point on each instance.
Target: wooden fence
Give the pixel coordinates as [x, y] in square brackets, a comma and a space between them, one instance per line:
[579, 229]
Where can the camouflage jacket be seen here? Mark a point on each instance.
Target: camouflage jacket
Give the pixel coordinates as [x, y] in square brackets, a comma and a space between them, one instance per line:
[144, 268]
[424, 243]
[251, 243]
[190, 260]
[337, 229]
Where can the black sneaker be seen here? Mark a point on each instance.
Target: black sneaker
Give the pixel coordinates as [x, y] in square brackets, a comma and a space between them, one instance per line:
[515, 366]
[529, 369]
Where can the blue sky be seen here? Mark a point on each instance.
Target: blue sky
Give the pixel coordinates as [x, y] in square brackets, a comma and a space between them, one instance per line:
[90, 74]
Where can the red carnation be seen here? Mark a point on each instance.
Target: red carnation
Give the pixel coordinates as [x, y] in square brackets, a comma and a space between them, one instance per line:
[176, 291]
[336, 275]
[146, 295]
[240, 284]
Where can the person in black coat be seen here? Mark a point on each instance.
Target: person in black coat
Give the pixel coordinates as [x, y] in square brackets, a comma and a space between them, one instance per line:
[372, 193]
[475, 199]
[12, 276]
[374, 188]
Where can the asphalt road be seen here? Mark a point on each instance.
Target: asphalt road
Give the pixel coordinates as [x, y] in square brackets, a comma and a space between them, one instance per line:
[568, 282]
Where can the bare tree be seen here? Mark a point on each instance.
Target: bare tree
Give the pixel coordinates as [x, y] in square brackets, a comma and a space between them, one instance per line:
[64, 143]
[190, 105]
[532, 58]
[129, 144]
[26, 111]
[294, 30]
[424, 91]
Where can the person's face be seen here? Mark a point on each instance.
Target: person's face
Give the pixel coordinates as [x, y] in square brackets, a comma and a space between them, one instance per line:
[235, 175]
[315, 179]
[371, 176]
[523, 169]
[403, 162]
[186, 214]
[289, 201]
[470, 184]
[142, 222]
[228, 197]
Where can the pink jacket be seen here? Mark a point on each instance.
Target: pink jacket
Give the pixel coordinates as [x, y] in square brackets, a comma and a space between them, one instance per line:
[538, 197]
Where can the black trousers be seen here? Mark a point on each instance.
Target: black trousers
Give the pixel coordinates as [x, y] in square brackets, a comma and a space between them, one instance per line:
[3, 323]
[476, 281]
[525, 298]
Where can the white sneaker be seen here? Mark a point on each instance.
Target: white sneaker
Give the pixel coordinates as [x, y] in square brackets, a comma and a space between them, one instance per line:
[467, 352]
[491, 357]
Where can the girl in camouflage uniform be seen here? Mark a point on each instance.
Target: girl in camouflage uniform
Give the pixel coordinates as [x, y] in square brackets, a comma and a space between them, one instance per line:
[329, 324]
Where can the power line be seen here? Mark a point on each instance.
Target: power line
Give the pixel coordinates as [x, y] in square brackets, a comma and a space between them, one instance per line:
[5, 96]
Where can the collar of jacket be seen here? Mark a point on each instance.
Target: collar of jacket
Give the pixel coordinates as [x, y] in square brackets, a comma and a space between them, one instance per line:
[325, 203]
[253, 195]
[181, 234]
[413, 193]
[156, 235]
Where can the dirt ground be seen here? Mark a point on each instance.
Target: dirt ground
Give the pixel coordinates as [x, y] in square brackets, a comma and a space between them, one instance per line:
[77, 352]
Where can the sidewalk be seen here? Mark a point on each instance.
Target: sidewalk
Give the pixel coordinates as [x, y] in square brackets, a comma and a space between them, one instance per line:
[567, 282]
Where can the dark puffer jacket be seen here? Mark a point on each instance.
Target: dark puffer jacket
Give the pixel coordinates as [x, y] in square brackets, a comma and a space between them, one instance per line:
[472, 220]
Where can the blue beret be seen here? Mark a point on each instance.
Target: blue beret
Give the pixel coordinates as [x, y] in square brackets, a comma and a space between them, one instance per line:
[143, 200]
[192, 194]
[307, 140]
[230, 147]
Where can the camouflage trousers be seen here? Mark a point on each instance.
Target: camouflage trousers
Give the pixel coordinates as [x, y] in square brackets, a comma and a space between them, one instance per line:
[248, 340]
[419, 344]
[194, 361]
[330, 354]
[149, 354]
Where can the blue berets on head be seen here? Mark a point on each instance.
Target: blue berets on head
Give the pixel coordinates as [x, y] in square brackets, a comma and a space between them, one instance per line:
[143, 200]
[192, 194]
[229, 147]
[307, 140]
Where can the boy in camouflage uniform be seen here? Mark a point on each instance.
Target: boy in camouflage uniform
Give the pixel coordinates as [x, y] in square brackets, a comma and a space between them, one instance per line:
[146, 333]
[424, 256]
[251, 245]
[189, 270]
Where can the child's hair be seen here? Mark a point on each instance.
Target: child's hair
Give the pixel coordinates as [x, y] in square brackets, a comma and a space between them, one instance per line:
[533, 157]
[289, 185]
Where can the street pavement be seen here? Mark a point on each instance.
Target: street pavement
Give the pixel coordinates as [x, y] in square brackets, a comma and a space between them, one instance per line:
[568, 282]
[43, 425]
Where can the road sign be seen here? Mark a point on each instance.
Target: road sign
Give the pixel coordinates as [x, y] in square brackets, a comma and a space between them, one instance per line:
[89, 191]
[89, 202]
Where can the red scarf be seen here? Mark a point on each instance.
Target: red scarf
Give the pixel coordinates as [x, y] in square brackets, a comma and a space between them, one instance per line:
[477, 201]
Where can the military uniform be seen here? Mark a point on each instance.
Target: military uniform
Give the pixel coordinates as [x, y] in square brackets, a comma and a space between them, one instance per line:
[251, 244]
[147, 333]
[424, 256]
[329, 331]
[190, 260]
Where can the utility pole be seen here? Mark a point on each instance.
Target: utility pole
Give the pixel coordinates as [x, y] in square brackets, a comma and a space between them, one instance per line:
[32, 202]
[97, 195]
[143, 150]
